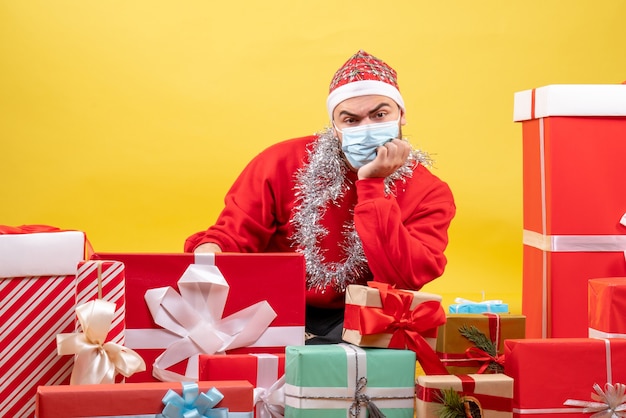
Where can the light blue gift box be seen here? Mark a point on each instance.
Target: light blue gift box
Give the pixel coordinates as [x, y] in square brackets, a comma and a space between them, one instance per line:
[339, 380]
[470, 307]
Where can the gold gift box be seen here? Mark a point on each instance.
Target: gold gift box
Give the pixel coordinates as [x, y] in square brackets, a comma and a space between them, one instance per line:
[452, 345]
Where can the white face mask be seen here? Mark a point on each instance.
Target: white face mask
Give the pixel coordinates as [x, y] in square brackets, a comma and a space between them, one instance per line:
[359, 143]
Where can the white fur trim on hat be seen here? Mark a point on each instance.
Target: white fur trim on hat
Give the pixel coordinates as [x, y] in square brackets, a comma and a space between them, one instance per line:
[362, 88]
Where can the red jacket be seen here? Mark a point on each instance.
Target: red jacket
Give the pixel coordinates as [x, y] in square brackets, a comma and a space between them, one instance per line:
[404, 235]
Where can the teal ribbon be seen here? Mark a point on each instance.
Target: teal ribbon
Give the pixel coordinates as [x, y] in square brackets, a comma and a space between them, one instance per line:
[193, 403]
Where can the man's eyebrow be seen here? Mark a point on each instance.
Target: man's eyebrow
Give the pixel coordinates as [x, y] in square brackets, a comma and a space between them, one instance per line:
[376, 109]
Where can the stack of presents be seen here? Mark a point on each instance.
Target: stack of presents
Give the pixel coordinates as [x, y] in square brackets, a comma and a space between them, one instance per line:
[88, 334]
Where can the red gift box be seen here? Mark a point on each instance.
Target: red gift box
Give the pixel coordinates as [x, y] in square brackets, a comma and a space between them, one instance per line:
[131, 399]
[35, 308]
[548, 372]
[262, 370]
[573, 148]
[607, 307]
[252, 278]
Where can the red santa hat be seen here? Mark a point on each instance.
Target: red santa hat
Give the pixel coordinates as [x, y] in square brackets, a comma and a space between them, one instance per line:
[362, 75]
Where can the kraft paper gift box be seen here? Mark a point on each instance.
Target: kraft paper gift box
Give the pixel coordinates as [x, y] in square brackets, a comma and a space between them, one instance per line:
[140, 399]
[492, 394]
[378, 315]
[607, 307]
[461, 356]
[339, 380]
[550, 371]
[574, 140]
[245, 282]
[264, 371]
[37, 290]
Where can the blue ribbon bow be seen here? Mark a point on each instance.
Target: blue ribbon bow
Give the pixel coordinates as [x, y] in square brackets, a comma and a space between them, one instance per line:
[193, 403]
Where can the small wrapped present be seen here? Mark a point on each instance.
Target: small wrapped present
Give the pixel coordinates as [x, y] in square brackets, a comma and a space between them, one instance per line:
[265, 372]
[378, 315]
[223, 291]
[486, 396]
[162, 399]
[474, 343]
[466, 306]
[37, 290]
[607, 307]
[550, 371]
[339, 380]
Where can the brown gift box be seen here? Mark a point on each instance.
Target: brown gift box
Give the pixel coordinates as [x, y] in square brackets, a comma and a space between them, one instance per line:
[452, 345]
[365, 296]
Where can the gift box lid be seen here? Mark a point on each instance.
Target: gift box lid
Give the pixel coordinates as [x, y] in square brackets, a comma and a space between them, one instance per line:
[41, 253]
[570, 100]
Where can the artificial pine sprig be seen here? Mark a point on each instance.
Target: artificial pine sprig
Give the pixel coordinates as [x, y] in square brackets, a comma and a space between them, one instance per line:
[453, 404]
[480, 340]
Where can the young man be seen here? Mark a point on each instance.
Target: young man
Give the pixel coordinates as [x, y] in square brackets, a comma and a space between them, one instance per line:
[356, 199]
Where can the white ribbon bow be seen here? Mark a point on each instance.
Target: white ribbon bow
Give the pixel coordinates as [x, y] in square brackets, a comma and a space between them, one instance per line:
[97, 361]
[270, 402]
[609, 403]
[195, 316]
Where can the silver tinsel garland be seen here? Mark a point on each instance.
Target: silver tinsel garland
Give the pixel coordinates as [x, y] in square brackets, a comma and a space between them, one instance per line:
[319, 183]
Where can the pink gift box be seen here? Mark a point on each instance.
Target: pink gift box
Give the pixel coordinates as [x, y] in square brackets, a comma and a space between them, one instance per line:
[35, 308]
[607, 307]
[549, 371]
[574, 200]
[276, 278]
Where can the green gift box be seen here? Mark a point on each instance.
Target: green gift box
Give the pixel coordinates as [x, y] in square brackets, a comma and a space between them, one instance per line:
[340, 380]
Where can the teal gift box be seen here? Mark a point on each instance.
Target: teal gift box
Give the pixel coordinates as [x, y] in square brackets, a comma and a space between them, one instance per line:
[471, 307]
[339, 380]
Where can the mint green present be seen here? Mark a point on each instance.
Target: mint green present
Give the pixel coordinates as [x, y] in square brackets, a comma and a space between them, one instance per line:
[343, 380]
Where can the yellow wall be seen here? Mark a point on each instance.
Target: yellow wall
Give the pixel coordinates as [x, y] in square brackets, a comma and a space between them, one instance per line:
[130, 119]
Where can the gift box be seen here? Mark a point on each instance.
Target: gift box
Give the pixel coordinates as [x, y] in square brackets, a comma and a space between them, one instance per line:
[263, 371]
[472, 307]
[247, 280]
[607, 307]
[37, 290]
[491, 394]
[549, 372]
[332, 381]
[105, 280]
[573, 200]
[462, 355]
[139, 399]
[378, 315]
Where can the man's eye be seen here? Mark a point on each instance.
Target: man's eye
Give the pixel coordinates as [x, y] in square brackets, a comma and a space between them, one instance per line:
[381, 115]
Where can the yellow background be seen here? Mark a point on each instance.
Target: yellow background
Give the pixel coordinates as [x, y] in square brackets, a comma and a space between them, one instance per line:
[129, 120]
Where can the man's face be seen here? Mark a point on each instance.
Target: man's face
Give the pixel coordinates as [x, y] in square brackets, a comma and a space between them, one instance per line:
[364, 110]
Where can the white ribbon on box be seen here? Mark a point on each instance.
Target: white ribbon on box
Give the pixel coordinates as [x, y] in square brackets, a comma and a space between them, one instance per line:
[269, 393]
[194, 320]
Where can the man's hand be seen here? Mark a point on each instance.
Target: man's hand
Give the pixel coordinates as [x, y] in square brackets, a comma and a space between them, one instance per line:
[208, 247]
[389, 158]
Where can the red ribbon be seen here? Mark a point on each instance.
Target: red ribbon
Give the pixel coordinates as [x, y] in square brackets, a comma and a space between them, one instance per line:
[406, 325]
[27, 229]
[487, 402]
